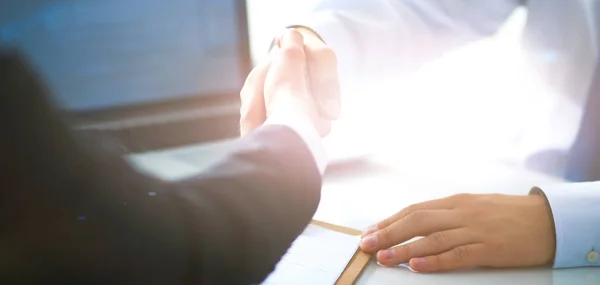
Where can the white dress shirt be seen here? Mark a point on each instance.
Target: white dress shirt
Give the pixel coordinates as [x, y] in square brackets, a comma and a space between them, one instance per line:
[390, 40]
[375, 38]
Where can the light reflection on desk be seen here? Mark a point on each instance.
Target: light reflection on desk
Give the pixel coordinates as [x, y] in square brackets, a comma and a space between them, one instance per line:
[545, 276]
[359, 194]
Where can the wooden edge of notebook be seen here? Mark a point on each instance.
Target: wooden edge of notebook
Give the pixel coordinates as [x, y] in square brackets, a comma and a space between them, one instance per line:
[358, 262]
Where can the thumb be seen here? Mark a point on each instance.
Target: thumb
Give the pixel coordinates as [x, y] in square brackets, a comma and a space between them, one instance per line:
[286, 86]
[288, 66]
[292, 39]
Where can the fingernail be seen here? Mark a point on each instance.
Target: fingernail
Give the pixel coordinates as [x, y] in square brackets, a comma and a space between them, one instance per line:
[369, 230]
[420, 261]
[386, 254]
[370, 242]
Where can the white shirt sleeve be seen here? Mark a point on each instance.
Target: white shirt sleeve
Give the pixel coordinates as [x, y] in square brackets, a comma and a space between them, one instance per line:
[576, 211]
[377, 36]
[306, 130]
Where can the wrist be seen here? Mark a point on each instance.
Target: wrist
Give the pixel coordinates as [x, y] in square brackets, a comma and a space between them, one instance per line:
[292, 106]
[549, 234]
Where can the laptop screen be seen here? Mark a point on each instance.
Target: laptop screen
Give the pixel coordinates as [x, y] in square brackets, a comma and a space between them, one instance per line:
[118, 53]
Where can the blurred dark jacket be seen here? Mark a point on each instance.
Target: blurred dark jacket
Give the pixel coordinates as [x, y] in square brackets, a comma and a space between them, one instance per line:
[72, 212]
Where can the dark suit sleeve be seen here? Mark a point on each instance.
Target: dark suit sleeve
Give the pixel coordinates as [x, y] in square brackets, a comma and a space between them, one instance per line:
[251, 206]
[235, 221]
[74, 212]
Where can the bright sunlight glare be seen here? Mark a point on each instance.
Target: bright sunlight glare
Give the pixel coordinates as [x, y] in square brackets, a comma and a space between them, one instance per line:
[481, 102]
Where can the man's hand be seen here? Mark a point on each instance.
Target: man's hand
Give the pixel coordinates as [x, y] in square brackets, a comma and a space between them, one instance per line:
[286, 86]
[466, 231]
[323, 74]
[319, 76]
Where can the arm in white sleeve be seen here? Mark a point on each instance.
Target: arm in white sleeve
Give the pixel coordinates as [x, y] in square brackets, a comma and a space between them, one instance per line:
[379, 35]
[306, 130]
[576, 211]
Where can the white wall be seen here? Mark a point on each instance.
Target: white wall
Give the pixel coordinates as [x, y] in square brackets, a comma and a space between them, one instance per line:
[267, 17]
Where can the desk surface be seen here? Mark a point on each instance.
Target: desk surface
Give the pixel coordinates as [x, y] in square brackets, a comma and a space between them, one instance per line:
[361, 193]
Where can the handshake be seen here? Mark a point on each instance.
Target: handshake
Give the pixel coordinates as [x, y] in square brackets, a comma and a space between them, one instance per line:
[299, 78]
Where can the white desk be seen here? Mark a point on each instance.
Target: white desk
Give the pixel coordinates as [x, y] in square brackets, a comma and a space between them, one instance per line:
[359, 195]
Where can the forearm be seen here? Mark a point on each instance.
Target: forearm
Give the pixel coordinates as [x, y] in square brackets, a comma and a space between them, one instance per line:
[252, 206]
[78, 213]
[229, 225]
[386, 35]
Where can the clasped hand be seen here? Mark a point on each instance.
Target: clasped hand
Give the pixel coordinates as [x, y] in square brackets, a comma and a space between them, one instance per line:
[298, 78]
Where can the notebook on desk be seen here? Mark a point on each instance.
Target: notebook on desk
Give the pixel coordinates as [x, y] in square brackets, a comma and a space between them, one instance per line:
[323, 254]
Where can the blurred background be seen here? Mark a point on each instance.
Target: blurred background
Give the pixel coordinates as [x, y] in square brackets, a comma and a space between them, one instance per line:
[158, 75]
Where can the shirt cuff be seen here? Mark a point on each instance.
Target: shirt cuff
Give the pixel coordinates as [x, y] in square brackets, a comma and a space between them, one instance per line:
[576, 211]
[306, 130]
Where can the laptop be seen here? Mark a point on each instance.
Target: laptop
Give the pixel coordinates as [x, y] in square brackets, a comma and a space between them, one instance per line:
[149, 73]
[153, 76]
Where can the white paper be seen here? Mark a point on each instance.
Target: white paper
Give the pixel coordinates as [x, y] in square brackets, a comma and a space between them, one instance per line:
[317, 257]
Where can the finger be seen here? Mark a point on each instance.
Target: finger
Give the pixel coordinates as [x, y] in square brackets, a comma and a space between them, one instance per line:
[291, 37]
[465, 256]
[288, 68]
[324, 79]
[433, 244]
[252, 111]
[418, 223]
[438, 204]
